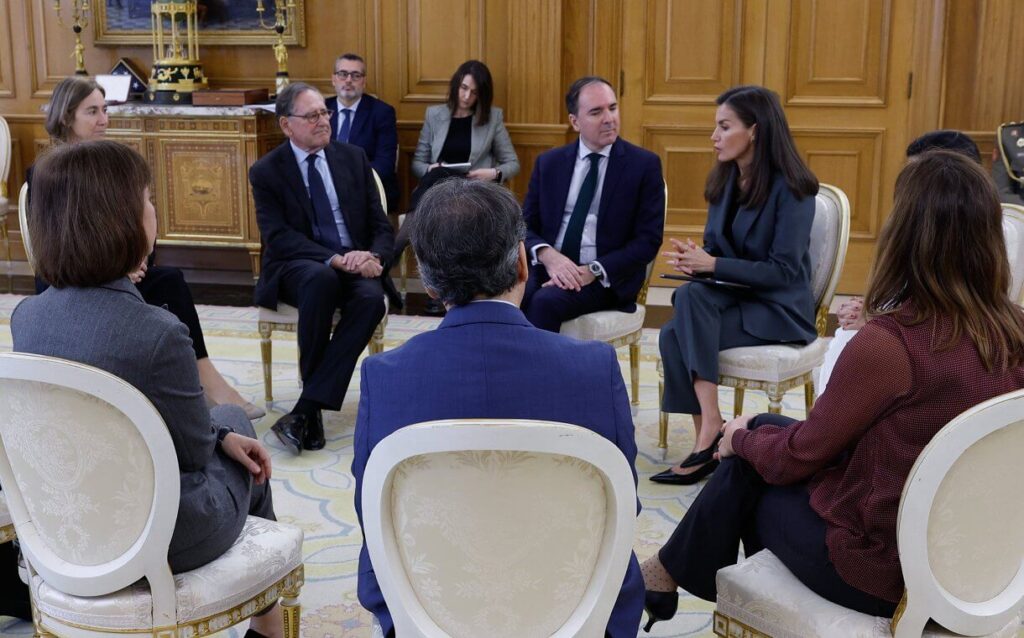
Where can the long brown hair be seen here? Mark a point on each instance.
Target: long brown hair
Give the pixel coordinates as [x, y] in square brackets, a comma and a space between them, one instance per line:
[85, 217]
[942, 253]
[484, 90]
[774, 150]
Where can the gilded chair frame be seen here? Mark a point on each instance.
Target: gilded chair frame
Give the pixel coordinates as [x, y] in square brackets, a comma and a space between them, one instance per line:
[267, 327]
[147, 555]
[5, 169]
[26, 241]
[776, 390]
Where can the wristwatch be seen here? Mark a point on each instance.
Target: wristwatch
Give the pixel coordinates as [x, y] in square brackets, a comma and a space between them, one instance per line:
[596, 270]
[223, 432]
[497, 175]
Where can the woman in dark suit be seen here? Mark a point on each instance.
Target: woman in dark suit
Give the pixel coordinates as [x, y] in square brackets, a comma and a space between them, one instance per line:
[823, 494]
[87, 238]
[78, 112]
[761, 207]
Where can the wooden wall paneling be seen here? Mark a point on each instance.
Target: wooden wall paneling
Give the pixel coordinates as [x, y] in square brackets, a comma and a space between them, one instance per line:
[534, 71]
[928, 63]
[7, 80]
[694, 68]
[839, 52]
[437, 36]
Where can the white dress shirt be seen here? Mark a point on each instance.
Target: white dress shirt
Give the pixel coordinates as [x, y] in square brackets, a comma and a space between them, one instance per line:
[588, 244]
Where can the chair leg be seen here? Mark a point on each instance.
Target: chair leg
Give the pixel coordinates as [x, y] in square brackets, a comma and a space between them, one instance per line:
[7, 241]
[376, 345]
[774, 401]
[403, 269]
[809, 396]
[662, 420]
[737, 402]
[266, 355]
[634, 376]
[292, 610]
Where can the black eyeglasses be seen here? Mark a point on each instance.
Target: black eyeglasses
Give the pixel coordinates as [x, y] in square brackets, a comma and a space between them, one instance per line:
[355, 75]
[315, 116]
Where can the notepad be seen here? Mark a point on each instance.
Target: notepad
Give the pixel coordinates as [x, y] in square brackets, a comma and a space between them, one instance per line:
[707, 280]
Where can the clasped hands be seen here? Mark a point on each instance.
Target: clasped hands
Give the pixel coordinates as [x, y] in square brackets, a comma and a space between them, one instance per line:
[689, 258]
[851, 314]
[358, 262]
[562, 271]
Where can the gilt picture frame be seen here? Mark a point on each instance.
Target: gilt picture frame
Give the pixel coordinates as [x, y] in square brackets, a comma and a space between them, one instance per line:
[221, 23]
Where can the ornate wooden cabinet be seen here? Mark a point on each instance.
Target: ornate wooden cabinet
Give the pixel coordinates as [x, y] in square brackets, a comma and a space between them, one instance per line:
[200, 157]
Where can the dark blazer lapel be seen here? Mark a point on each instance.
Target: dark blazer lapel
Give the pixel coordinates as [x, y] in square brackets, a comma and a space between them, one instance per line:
[745, 218]
[344, 189]
[290, 169]
[559, 191]
[360, 118]
[616, 167]
[716, 219]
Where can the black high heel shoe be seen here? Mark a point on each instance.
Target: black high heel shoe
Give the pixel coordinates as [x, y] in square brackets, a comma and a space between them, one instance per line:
[705, 455]
[659, 605]
[672, 478]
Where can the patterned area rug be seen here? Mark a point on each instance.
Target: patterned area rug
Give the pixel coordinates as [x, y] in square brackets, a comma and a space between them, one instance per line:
[315, 490]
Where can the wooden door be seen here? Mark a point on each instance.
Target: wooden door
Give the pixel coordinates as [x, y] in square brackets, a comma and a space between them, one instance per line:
[840, 67]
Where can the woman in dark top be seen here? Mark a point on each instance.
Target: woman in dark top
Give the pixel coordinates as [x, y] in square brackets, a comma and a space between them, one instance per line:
[761, 207]
[78, 112]
[823, 494]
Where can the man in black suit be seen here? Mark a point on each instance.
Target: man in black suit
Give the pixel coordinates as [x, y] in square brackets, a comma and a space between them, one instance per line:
[371, 123]
[325, 237]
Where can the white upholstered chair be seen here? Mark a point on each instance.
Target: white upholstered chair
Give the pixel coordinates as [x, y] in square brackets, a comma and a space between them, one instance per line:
[23, 223]
[286, 319]
[5, 170]
[92, 483]
[6, 522]
[778, 368]
[498, 528]
[618, 329]
[960, 542]
[1013, 233]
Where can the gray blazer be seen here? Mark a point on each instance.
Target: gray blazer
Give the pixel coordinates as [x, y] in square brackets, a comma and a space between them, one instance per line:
[112, 328]
[490, 146]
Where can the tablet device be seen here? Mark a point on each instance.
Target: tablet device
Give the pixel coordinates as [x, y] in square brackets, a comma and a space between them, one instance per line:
[461, 168]
[707, 280]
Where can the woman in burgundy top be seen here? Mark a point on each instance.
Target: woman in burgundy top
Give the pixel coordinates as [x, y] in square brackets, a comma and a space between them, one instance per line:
[823, 494]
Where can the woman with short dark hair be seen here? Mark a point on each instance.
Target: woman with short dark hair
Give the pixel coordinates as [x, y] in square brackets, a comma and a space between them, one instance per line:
[823, 494]
[760, 210]
[78, 112]
[87, 238]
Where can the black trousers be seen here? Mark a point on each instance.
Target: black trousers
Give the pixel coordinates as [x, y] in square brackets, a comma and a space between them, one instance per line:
[547, 308]
[707, 320]
[736, 504]
[327, 361]
[165, 286]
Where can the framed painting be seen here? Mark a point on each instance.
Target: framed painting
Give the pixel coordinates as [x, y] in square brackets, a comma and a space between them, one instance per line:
[221, 22]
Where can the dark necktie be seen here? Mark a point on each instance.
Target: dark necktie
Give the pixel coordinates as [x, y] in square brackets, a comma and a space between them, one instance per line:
[346, 125]
[326, 229]
[574, 230]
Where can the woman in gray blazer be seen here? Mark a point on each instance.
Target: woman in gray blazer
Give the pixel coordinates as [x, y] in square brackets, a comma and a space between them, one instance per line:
[467, 130]
[760, 209]
[100, 224]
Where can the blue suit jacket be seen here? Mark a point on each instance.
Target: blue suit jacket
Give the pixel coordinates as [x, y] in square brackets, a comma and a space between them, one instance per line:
[630, 217]
[770, 253]
[487, 361]
[375, 130]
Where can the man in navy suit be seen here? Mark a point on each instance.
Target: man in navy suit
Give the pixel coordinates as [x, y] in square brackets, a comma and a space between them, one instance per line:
[486, 360]
[325, 238]
[594, 215]
[371, 124]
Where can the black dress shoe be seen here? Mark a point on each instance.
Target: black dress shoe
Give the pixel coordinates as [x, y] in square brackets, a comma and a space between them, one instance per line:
[291, 429]
[671, 478]
[659, 605]
[314, 439]
[705, 455]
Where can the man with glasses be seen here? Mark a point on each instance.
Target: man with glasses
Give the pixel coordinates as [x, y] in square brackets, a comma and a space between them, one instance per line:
[365, 121]
[325, 236]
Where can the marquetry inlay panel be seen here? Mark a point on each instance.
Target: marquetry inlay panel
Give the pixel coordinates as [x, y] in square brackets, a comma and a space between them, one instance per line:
[838, 52]
[203, 189]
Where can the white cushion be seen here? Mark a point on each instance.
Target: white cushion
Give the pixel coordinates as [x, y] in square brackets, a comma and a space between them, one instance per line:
[773, 363]
[5, 516]
[761, 593]
[264, 553]
[605, 325]
[498, 543]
